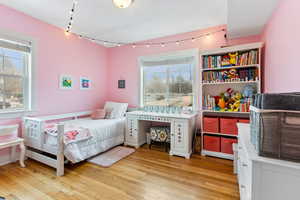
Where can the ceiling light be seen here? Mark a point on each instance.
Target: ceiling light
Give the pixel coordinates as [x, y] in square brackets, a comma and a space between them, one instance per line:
[122, 3]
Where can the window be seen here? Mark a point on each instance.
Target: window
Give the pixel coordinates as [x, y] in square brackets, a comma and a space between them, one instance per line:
[168, 80]
[15, 78]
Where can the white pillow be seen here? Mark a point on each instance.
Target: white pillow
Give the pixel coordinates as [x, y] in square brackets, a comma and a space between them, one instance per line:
[118, 109]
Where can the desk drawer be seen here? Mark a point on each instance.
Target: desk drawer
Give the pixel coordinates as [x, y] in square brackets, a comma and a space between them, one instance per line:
[179, 128]
[131, 130]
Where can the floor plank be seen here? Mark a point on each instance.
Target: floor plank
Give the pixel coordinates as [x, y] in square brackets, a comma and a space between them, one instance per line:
[144, 175]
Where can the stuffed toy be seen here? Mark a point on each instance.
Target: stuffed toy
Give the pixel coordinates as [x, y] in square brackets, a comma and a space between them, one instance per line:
[234, 102]
[225, 75]
[232, 57]
[233, 74]
[222, 104]
[228, 93]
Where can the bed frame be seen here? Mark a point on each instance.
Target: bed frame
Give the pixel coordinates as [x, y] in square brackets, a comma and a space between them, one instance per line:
[33, 133]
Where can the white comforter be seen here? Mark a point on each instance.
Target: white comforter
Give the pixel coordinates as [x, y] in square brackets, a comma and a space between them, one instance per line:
[106, 133]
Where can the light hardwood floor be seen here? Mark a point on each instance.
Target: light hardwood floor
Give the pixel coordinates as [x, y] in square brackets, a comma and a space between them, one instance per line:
[146, 174]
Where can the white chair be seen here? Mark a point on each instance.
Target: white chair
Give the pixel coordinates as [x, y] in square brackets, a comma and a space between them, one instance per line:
[6, 131]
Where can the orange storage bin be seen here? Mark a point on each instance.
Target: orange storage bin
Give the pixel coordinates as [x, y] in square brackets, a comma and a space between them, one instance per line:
[228, 126]
[226, 145]
[244, 121]
[211, 124]
[212, 143]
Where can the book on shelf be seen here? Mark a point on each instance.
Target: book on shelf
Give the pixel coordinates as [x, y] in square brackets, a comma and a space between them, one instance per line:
[243, 58]
[250, 74]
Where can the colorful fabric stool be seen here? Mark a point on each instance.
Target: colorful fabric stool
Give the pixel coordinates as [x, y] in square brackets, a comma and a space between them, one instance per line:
[160, 134]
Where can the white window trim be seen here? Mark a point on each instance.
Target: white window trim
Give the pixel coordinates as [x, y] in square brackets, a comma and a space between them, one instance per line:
[170, 55]
[31, 106]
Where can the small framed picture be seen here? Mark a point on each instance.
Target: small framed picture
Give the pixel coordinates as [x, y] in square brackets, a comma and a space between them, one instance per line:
[66, 82]
[85, 83]
[121, 84]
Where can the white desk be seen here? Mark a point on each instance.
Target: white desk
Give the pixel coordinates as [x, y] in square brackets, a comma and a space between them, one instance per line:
[182, 128]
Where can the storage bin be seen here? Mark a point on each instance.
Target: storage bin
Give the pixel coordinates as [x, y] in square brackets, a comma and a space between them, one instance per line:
[226, 145]
[279, 101]
[276, 133]
[211, 124]
[247, 121]
[228, 126]
[212, 143]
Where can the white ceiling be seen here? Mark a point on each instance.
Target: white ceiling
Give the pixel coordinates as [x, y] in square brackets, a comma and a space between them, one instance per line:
[248, 17]
[145, 19]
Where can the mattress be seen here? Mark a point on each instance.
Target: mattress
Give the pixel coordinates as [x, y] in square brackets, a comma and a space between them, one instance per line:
[105, 134]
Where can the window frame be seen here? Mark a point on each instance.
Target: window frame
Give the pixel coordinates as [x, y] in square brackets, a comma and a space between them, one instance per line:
[172, 55]
[28, 78]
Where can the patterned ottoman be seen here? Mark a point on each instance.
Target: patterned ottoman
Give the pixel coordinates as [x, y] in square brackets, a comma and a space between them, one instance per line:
[160, 134]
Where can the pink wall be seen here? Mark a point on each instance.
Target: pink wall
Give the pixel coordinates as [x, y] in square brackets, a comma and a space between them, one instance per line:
[58, 54]
[282, 41]
[122, 61]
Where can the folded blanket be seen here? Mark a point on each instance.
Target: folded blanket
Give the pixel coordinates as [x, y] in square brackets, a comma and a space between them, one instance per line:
[72, 133]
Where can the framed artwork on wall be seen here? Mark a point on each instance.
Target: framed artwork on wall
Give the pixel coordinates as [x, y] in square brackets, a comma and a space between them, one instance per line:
[85, 83]
[121, 84]
[66, 82]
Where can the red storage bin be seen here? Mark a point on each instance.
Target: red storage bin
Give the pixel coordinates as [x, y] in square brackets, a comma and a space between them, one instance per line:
[226, 144]
[212, 143]
[228, 126]
[211, 124]
[244, 121]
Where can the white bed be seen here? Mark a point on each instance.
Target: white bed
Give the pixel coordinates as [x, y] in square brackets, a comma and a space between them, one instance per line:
[105, 133]
[53, 149]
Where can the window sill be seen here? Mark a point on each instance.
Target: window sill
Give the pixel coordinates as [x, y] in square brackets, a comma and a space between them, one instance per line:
[13, 114]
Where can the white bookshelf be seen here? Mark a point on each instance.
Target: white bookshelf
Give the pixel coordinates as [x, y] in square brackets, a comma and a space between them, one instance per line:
[214, 88]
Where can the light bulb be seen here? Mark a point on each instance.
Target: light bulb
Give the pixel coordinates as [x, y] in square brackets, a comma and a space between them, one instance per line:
[67, 32]
[122, 3]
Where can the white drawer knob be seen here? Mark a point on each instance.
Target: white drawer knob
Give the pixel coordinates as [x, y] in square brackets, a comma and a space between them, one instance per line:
[243, 186]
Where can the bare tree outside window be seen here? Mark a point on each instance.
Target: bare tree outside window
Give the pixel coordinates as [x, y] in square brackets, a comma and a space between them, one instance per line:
[12, 68]
[169, 85]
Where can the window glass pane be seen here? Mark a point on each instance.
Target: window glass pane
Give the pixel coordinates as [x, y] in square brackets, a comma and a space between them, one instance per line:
[1, 63]
[168, 85]
[13, 92]
[13, 53]
[180, 86]
[13, 66]
[2, 99]
[155, 85]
